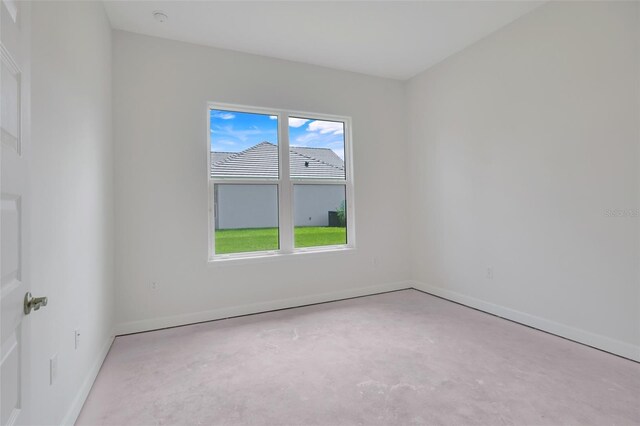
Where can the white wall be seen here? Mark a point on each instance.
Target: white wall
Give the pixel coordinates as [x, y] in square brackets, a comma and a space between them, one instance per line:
[519, 146]
[161, 89]
[72, 216]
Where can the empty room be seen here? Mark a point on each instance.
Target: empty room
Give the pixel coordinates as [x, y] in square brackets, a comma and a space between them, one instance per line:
[320, 213]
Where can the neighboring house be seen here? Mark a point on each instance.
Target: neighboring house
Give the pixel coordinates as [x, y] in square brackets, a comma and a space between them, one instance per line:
[256, 206]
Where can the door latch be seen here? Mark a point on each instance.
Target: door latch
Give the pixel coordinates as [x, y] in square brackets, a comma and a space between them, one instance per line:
[33, 303]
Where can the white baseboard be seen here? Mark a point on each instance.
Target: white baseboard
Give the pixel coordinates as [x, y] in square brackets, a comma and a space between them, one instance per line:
[76, 406]
[215, 314]
[598, 341]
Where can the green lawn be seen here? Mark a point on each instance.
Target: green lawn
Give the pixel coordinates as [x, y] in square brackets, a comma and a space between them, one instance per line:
[260, 239]
[313, 236]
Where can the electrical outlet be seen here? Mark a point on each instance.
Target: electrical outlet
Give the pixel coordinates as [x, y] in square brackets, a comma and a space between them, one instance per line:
[489, 273]
[53, 369]
[154, 286]
[76, 333]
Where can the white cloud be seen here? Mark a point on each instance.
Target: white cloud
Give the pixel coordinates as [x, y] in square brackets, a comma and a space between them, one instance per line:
[223, 115]
[273, 117]
[297, 122]
[326, 127]
[230, 132]
[307, 138]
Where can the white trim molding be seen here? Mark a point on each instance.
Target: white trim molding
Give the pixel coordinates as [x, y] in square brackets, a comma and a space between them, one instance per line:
[255, 308]
[78, 402]
[597, 341]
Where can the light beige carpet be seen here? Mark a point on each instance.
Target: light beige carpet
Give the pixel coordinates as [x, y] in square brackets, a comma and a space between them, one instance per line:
[390, 359]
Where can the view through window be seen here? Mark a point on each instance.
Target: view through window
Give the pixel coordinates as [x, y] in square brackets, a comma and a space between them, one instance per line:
[259, 206]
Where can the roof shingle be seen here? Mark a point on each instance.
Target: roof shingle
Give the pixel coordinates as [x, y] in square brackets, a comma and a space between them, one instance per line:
[261, 161]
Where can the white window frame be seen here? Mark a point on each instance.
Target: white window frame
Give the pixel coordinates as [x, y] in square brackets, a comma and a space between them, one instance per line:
[284, 184]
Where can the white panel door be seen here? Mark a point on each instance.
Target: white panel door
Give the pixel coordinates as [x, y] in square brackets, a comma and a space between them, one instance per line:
[14, 202]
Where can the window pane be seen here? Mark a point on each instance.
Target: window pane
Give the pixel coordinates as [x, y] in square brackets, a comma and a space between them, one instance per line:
[246, 218]
[243, 145]
[316, 148]
[320, 215]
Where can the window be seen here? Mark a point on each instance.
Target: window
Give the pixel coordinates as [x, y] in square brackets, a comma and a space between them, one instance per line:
[280, 182]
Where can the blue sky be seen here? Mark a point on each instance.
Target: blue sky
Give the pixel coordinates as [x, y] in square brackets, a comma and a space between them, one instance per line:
[236, 131]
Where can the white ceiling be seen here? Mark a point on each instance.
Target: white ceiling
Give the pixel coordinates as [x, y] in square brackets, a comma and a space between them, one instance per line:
[389, 39]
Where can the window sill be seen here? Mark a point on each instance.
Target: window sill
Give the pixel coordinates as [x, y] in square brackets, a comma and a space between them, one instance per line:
[261, 257]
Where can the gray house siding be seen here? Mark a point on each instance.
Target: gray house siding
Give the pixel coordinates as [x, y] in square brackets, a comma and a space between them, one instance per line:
[256, 206]
[246, 206]
[313, 202]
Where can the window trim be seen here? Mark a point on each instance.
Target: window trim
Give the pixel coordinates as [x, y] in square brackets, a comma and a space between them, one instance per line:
[284, 184]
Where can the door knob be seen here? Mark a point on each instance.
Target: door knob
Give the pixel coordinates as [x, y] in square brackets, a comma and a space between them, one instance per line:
[33, 303]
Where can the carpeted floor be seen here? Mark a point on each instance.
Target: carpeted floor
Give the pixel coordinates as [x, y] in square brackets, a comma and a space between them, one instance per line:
[390, 359]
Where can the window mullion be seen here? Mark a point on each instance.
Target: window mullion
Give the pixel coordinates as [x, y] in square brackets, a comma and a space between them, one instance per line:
[285, 188]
